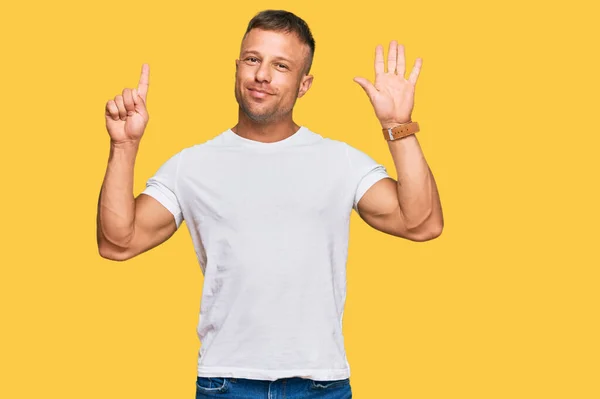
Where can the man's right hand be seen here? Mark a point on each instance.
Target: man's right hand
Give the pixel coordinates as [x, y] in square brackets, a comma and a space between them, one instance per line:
[126, 115]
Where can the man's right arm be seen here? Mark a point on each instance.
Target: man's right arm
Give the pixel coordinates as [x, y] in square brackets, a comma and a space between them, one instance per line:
[128, 226]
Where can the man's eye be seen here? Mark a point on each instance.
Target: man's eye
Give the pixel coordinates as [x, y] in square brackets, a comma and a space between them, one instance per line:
[254, 59]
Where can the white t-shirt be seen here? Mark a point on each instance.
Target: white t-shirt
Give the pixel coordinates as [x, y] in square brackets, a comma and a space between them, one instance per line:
[269, 223]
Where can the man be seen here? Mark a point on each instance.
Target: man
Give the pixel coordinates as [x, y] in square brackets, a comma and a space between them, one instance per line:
[268, 204]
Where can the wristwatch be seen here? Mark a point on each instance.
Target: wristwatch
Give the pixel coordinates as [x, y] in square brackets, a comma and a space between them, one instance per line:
[400, 131]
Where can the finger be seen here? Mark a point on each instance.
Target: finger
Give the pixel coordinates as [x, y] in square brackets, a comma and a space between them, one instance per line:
[112, 110]
[392, 55]
[144, 81]
[137, 100]
[401, 62]
[140, 107]
[128, 101]
[121, 107]
[414, 74]
[367, 86]
[379, 64]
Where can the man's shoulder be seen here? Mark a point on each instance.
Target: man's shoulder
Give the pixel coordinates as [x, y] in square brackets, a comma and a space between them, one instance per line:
[212, 142]
[334, 143]
[348, 150]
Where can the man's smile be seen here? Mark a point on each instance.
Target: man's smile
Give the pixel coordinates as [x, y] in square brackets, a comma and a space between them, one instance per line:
[258, 93]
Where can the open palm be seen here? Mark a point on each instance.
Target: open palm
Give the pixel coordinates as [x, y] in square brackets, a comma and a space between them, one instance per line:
[392, 96]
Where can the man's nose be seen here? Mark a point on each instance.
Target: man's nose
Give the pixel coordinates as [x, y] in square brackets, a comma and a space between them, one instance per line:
[263, 73]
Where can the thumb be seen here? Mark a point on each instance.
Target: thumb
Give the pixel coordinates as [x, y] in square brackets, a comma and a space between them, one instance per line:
[367, 86]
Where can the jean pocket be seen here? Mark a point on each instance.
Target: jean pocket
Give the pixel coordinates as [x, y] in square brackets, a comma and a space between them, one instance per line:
[327, 384]
[212, 384]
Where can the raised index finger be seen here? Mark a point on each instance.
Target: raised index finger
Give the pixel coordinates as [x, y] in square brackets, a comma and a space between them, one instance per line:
[143, 85]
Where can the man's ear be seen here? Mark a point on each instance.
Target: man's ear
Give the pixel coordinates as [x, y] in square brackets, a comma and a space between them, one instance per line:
[236, 64]
[305, 85]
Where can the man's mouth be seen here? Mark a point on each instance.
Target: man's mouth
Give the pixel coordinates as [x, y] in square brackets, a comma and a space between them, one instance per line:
[258, 93]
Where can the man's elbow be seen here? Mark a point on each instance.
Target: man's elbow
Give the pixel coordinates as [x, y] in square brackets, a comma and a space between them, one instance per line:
[432, 232]
[118, 256]
[436, 232]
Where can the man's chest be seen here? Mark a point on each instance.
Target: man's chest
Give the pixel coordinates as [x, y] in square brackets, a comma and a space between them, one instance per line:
[266, 188]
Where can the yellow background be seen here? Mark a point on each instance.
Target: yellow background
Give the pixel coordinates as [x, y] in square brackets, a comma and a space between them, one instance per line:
[504, 304]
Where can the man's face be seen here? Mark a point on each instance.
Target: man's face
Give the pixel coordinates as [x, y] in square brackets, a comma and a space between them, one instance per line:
[272, 62]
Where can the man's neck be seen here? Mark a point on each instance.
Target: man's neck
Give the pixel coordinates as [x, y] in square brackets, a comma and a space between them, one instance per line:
[269, 132]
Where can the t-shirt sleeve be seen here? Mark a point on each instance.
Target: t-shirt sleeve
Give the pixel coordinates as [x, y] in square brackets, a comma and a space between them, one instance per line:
[162, 187]
[364, 172]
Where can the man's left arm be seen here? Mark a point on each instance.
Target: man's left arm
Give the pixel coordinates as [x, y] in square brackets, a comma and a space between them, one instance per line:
[409, 207]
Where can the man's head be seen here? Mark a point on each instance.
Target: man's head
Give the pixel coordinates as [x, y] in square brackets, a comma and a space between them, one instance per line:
[275, 57]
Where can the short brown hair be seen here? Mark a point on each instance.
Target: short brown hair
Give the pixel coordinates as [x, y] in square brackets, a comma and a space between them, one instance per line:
[284, 21]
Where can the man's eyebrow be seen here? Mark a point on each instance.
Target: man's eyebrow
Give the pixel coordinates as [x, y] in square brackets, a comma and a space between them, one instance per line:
[280, 57]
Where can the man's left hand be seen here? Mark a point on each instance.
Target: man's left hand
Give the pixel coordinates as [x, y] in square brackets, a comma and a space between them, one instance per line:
[392, 96]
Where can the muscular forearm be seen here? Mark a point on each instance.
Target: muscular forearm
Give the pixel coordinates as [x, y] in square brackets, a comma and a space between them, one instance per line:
[417, 192]
[116, 205]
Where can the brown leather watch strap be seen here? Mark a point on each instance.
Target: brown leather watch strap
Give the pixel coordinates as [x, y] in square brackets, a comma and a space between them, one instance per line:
[400, 131]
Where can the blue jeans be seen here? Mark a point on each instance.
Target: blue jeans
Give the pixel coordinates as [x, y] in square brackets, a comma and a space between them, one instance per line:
[283, 388]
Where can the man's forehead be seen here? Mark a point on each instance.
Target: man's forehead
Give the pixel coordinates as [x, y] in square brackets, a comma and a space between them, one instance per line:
[277, 44]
